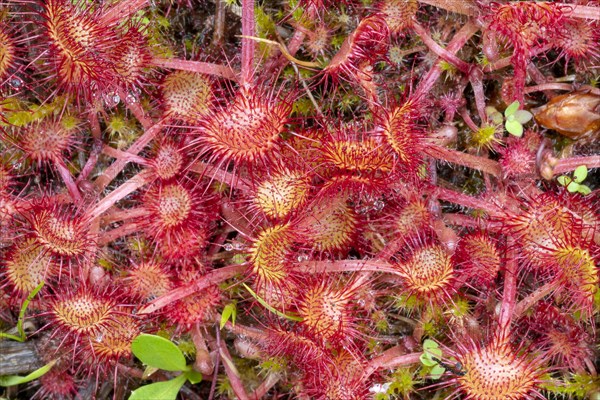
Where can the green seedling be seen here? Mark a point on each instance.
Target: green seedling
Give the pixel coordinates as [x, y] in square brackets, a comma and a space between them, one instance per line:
[13, 380]
[21, 338]
[574, 184]
[229, 312]
[159, 353]
[430, 358]
[514, 119]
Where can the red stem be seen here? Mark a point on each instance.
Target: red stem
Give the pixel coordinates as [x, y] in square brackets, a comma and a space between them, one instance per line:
[123, 155]
[96, 147]
[468, 120]
[229, 178]
[292, 47]
[115, 168]
[117, 215]
[248, 45]
[466, 160]
[509, 296]
[457, 42]
[581, 11]
[466, 201]
[476, 79]
[213, 277]
[136, 109]
[465, 7]
[117, 233]
[319, 267]
[534, 297]
[391, 358]
[507, 61]
[121, 11]
[125, 189]
[196, 66]
[439, 50]
[219, 275]
[270, 381]
[232, 373]
[569, 164]
[69, 182]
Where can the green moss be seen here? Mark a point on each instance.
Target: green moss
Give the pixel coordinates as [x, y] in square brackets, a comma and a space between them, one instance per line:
[303, 106]
[576, 386]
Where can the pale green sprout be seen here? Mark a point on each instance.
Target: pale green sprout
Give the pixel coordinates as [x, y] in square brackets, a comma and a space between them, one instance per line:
[574, 184]
[515, 119]
[432, 353]
[160, 353]
[229, 312]
[12, 380]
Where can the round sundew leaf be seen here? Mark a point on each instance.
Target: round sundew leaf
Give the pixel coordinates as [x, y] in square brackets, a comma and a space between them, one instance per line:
[511, 109]
[514, 127]
[580, 173]
[158, 352]
[523, 116]
[167, 390]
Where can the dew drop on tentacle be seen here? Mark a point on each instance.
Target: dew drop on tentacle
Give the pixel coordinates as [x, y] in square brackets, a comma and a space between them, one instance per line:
[378, 205]
[131, 98]
[16, 83]
[302, 258]
[111, 99]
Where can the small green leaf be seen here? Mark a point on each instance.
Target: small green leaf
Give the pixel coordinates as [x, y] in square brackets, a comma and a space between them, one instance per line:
[193, 376]
[584, 190]
[514, 127]
[580, 173]
[573, 187]
[291, 317]
[564, 180]
[9, 336]
[167, 390]
[496, 118]
[437, 372]
[523, 116]
[430, 344]
[434, 353]
[22, 336]
[489, 110]
[149, 371]
[426, 360]
[12, 380]
[158, 352]
[29, 298]
[511, 109]
[229, 311]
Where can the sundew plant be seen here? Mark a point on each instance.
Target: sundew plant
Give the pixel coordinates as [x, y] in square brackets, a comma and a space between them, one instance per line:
[300, 199]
